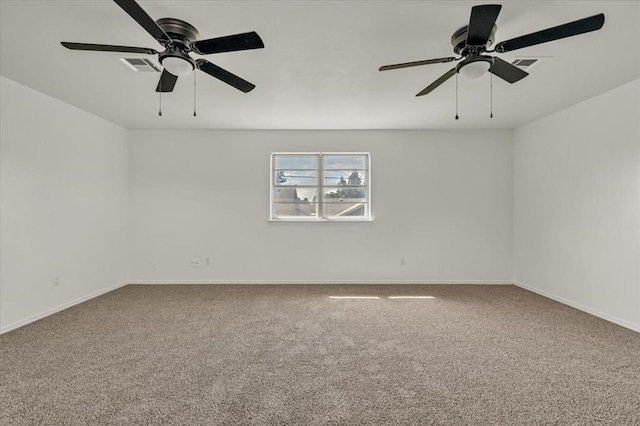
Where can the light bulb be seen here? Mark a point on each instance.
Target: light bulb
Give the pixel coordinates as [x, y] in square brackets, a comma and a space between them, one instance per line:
[475, 69]
[177, 66]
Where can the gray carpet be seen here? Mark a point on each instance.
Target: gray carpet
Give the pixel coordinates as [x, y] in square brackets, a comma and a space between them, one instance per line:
[290, 355]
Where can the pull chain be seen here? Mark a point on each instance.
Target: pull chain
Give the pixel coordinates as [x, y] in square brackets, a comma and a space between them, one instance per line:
[491, 104]
[160, 95]
[194, 93]
[456, 96]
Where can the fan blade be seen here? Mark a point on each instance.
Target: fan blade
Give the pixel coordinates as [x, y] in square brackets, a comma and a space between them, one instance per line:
[145, 21]
[167, 82]
[417, 63]
[507, 71]
[225, 76]
[438, 82]
[483, 18]
[570, 29]
[232, 43]
[107, 48]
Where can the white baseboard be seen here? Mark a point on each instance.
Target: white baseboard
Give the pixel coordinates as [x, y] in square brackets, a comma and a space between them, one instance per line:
[337, 282]
[610, 318]
[59, 308]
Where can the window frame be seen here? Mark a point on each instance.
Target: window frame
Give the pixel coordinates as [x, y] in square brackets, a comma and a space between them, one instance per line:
[320, 185]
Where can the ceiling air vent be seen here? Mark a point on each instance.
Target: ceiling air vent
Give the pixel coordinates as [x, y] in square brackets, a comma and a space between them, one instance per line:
[141, 64]
[526, 64]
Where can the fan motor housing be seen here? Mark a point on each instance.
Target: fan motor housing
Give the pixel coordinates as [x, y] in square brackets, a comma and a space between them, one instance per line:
[459, 39]
[178, 29]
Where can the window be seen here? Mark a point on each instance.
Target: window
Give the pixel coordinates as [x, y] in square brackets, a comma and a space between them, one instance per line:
[320, 186]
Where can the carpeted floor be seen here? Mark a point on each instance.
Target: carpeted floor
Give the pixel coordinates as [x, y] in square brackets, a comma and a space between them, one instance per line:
[291, 355]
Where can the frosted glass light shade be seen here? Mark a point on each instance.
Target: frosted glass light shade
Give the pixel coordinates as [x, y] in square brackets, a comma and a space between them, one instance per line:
[475, 69]
[177, 66]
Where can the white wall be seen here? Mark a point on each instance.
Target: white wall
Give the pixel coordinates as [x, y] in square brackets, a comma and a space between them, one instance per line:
[440, 199]
[576, 205]
[63, 206]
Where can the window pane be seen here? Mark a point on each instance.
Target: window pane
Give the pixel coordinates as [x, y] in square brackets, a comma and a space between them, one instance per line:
[339, 194]
[295, 177]
[285, 161]
[334, 210]
[295, 195]
[295, 209]
[345, 162]
[301, 181]
[345, 177]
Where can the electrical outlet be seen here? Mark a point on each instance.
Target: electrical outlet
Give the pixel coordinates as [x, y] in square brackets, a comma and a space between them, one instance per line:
[154, 264]
[56, 281]
[402, 261]
[207, 261]
[195, 263]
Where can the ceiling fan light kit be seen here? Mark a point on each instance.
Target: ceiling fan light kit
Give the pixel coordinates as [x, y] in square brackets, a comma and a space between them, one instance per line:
[177, 65]
[472, 41]
[476, 68]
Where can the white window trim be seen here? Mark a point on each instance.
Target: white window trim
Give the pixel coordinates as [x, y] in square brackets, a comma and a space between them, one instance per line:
[320, 218]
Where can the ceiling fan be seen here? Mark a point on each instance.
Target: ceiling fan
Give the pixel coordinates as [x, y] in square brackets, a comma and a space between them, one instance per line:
[471, 43]
[179, 38]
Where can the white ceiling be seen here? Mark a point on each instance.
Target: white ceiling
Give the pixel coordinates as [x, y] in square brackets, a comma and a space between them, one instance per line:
[319, 69]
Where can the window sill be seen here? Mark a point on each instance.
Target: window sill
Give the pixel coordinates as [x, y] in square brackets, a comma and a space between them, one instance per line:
[318, 220]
